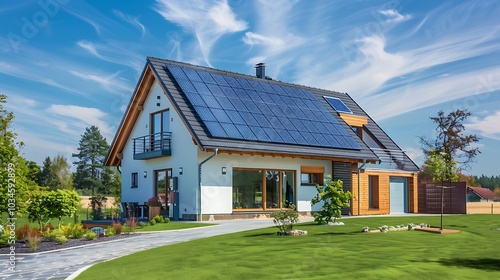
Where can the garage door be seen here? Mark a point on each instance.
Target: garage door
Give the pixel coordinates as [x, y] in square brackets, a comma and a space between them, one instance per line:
[398, 194]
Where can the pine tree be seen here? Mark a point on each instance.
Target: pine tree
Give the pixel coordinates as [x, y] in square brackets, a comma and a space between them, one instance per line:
[90, 165]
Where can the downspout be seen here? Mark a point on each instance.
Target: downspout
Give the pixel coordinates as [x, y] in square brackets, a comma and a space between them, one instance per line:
[199, 182]
[359, 186]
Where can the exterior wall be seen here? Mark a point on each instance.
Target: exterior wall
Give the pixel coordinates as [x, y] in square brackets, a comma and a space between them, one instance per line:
[183, 155]
[217, 188]
[483, 207]
[384, 177]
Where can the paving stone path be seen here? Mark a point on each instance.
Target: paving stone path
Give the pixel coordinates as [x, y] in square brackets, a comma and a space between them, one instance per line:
[63, 264]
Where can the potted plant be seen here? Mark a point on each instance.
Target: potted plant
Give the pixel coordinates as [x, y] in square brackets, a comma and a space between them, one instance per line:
[154, 205]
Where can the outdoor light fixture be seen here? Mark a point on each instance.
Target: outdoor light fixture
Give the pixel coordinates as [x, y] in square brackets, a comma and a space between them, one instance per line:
[145, 174]
[224, 170]
[181, 170]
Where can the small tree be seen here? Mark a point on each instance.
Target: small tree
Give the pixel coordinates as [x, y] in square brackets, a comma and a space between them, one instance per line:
[285, 219]
[334, 198]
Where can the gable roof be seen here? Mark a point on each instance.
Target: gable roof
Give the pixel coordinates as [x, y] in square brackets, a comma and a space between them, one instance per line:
[484, 193]
[207, 102]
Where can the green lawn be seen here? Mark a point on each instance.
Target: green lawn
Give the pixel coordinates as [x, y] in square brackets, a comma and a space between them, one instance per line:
[171, 226]
[22, 220]
[327, 252]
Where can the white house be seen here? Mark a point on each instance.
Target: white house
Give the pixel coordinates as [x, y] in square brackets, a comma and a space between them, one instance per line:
[212, 142]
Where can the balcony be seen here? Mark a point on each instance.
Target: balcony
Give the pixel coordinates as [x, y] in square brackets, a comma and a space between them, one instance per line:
[389, 159]
[152, 146]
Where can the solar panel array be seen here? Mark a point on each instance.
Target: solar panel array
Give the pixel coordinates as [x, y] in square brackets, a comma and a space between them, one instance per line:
[337, 105]
[238, 108]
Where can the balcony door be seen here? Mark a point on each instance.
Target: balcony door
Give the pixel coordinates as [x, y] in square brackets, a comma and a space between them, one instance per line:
[160, 122]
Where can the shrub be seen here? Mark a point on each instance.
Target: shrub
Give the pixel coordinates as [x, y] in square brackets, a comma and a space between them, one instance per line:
[167, 220]
[285, 219]
[142, 224]
[73, 231]
[152, 222]
[22, 232]
[110, 231]
[51, 235]
[159, 219]
[90, 235]
[117, 227]
[132, 223]
[2, 229]
[33, 241]
[60, 239]
[4, 238]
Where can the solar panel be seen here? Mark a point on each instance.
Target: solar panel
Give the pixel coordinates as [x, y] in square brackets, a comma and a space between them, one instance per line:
[337, 105]
[238, 108]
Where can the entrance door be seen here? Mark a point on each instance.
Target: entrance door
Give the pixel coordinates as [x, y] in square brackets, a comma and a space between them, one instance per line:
[398, 195]
[287, 189]
[162, 188]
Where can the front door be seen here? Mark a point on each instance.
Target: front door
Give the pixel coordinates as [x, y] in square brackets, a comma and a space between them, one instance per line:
[162, 188]
[273, 189]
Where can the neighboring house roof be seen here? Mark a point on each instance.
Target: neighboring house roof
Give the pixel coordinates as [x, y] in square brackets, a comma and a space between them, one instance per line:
[210, 103]
[484, 193]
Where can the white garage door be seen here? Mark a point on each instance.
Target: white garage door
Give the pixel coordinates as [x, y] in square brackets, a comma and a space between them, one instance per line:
[398, 194]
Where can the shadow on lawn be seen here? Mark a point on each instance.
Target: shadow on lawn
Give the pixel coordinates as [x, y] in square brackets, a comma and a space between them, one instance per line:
[483, 264]
[261, 234]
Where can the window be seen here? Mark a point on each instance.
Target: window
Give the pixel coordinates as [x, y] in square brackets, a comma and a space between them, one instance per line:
[134, 180]
[263, 189]
[357, 130]
[373, 192]
[312, 175]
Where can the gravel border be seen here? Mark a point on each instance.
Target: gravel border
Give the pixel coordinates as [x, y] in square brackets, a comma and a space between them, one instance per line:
[45, 246]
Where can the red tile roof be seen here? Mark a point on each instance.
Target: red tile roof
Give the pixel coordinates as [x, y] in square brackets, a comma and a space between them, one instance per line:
[485, 193]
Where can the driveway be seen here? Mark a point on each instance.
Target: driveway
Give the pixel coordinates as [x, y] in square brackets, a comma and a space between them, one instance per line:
[65, 263]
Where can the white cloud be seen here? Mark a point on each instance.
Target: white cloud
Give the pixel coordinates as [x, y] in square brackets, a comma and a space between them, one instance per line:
[110, 82]
[394, 16]
[76, 118]
[487, 126]
[207, 20]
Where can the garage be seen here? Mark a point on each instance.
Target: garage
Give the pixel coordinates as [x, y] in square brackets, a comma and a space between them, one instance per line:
[398, 195]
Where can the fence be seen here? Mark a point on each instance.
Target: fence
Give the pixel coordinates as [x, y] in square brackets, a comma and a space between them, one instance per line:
[85, 202]
[483, 207]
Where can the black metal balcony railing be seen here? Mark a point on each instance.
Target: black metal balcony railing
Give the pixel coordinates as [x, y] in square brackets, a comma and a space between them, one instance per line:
[153, 146]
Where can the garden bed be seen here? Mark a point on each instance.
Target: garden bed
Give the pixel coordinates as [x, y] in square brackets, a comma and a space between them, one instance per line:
[44, 246]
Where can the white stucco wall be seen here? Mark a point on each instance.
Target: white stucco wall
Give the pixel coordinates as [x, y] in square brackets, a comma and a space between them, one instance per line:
[217, 188]
[184, 154]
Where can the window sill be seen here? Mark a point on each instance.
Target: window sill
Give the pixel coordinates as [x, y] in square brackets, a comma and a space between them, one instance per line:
[134, 187]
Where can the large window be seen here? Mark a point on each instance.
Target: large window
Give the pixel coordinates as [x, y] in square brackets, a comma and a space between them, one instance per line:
[373, 192]
[162, 188]
[263, 189]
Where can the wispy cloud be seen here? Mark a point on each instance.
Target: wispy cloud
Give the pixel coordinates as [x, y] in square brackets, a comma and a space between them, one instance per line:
[132, 20]
[109, 82]
[206, 20]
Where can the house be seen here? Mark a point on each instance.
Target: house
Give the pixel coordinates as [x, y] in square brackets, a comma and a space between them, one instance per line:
[475, 194]
[211, 143]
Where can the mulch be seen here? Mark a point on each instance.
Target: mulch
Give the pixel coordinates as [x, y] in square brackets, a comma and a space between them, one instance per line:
[23, 247]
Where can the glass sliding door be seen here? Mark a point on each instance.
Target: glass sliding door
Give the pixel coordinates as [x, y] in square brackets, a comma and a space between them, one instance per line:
[272, 189]
[261, 189]
[288, 189]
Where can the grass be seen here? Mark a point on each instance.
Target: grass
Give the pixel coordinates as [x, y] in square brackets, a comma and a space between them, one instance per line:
[327, 252]
[171, 226]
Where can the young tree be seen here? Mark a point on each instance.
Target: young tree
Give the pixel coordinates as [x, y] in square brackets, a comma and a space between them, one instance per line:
[451, 143]
[90, 165]
[14, 172]
[334, 199]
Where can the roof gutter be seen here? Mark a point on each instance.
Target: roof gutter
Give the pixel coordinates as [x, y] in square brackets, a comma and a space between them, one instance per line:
[359, 185]
[198, 193]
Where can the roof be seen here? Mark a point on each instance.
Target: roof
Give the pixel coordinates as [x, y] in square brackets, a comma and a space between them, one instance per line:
[214, 126]
[484, 193]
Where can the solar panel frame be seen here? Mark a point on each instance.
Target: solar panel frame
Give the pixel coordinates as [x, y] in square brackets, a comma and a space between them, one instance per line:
[248, 109]
[337, 104]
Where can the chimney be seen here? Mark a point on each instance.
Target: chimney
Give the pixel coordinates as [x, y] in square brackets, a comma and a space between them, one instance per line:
[260, 70]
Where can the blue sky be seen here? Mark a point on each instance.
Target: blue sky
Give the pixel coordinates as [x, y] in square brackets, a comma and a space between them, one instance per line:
[67, 64]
